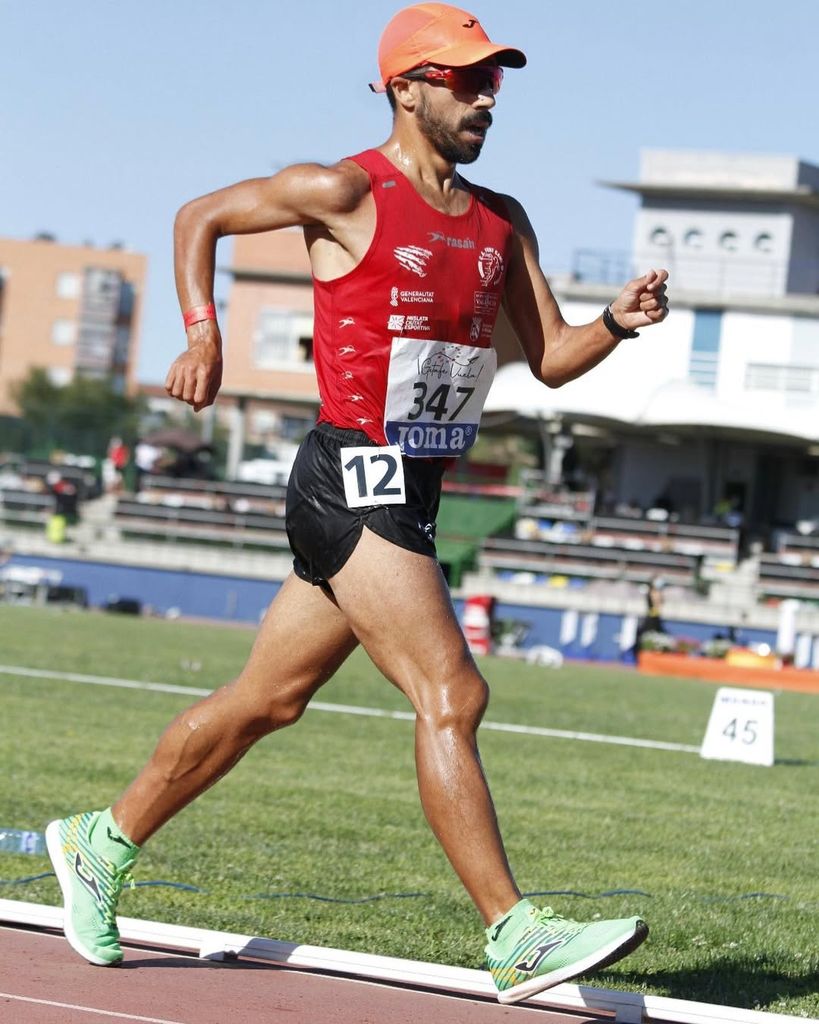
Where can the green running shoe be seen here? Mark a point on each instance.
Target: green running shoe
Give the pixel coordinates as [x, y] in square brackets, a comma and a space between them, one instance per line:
[91, 859]
[530, 950]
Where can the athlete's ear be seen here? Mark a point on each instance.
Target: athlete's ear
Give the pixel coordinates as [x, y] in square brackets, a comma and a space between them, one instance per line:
[406, 92]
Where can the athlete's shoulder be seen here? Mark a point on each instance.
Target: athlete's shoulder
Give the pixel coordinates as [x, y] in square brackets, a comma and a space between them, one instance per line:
[497, 202]
[515, 212]
[336, 188]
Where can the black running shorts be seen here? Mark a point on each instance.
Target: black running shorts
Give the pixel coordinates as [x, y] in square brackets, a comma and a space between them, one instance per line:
[323, 531]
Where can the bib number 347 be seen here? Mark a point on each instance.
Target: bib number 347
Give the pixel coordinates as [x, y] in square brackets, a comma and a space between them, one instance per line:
[373, 476]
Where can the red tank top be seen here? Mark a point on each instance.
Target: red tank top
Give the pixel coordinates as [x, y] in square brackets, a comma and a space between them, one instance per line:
[402, 343]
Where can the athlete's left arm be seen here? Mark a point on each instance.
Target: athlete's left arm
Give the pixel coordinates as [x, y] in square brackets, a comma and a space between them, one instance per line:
[557, 352]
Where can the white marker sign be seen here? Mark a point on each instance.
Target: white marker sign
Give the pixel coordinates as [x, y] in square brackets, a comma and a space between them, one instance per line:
[741, 727]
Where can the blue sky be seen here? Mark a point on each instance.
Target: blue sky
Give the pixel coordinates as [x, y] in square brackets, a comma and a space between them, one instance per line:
[114, 114]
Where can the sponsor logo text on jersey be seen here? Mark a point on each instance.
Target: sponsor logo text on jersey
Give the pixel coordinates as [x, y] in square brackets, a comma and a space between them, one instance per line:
[453, 243]
[400, 322]
[486, 302]
[409, 296]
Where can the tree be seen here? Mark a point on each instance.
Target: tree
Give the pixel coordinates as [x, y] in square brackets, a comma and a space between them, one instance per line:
[80, 417]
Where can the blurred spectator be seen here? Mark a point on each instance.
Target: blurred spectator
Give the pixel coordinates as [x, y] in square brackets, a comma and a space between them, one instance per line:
[65, 495]
[65, 506]
[114, 464]
[652, 621]
[146, 460]
[654, 606]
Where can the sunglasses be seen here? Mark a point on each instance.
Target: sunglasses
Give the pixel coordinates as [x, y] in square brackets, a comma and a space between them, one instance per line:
[476, 79]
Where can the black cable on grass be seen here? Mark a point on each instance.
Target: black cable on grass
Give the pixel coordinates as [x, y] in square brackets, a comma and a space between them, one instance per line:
[173, 885]
[185, 887]
[50, 874]
[745, 896]
[589, 895]
[27, 879]
[335, 899]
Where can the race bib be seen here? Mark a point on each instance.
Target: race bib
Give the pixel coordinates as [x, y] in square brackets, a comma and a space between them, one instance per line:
[373, 476]
[435, 395]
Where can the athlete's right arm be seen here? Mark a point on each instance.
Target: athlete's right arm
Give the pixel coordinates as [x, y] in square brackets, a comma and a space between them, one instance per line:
[301, 195]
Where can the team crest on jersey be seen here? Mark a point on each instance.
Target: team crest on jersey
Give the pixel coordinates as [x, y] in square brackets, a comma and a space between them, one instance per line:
[414, 258]
[490, 266]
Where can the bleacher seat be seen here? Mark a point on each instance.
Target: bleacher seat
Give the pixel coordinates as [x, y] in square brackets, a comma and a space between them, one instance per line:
[208, 511]
[26, 508]
[586, 561]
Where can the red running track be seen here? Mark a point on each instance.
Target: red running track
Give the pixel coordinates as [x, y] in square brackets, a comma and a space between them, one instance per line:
[43, 981]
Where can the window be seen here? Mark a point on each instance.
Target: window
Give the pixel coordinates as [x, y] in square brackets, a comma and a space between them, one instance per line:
[283, 340]
[794, 380]
[728, 240]
[68, 285]
[59, 375]
[293, 428]
[95, 348]
[704, 359]
[763, 242]
[693, 238]
[63, 332]
[660, 236]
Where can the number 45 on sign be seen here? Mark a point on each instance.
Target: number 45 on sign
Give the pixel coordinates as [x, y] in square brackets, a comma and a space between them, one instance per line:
[741, 727]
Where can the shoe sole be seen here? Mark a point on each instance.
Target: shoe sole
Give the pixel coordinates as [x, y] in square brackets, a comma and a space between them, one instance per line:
[54, 845]
[610, 954]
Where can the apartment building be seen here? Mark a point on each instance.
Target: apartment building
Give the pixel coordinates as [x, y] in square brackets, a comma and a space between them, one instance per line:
[70, 309]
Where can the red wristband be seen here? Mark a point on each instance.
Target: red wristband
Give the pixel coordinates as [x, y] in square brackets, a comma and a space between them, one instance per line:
[197, 313]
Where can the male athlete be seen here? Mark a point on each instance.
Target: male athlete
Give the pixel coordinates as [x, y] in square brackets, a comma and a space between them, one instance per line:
[411, 264]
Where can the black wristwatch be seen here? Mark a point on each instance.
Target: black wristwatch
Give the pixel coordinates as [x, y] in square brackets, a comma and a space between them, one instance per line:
[614, 328]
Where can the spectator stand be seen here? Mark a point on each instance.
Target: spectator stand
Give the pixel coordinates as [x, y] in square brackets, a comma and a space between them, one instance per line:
[32, 492]
[792, 571]
[212, 512]
[559, 541]
[467, 514]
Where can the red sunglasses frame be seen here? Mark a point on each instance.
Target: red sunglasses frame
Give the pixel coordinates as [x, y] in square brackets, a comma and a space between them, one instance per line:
[474, 79]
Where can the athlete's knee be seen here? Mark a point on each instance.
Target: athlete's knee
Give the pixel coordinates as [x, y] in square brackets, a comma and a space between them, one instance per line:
[457, 704]
[264, 712]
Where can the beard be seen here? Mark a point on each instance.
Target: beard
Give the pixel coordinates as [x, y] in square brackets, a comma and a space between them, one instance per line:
[446, 138]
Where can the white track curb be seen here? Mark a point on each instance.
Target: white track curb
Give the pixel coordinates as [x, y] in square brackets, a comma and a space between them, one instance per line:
[629, 1008]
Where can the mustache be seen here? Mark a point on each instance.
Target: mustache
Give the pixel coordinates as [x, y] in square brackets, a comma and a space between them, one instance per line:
[479, 121]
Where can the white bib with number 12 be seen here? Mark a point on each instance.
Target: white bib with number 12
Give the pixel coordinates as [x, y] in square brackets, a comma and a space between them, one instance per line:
[373, 476]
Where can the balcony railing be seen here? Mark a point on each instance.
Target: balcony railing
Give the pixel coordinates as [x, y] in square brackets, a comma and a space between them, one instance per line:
[726, 275]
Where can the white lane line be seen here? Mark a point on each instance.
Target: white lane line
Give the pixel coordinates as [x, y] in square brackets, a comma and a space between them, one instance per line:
[89, 1009]
[352, 709]
[124, 684]
[526, 730]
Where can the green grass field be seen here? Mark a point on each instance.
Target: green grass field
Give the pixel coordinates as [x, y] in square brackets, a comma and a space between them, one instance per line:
[723, 856]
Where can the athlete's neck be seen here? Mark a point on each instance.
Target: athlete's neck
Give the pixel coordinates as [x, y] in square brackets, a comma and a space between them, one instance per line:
[433, 177]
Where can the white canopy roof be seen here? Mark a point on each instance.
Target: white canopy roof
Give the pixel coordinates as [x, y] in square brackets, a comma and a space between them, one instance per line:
[597, 398]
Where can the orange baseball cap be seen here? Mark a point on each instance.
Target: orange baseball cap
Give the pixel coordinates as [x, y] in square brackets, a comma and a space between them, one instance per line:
[437, 34]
